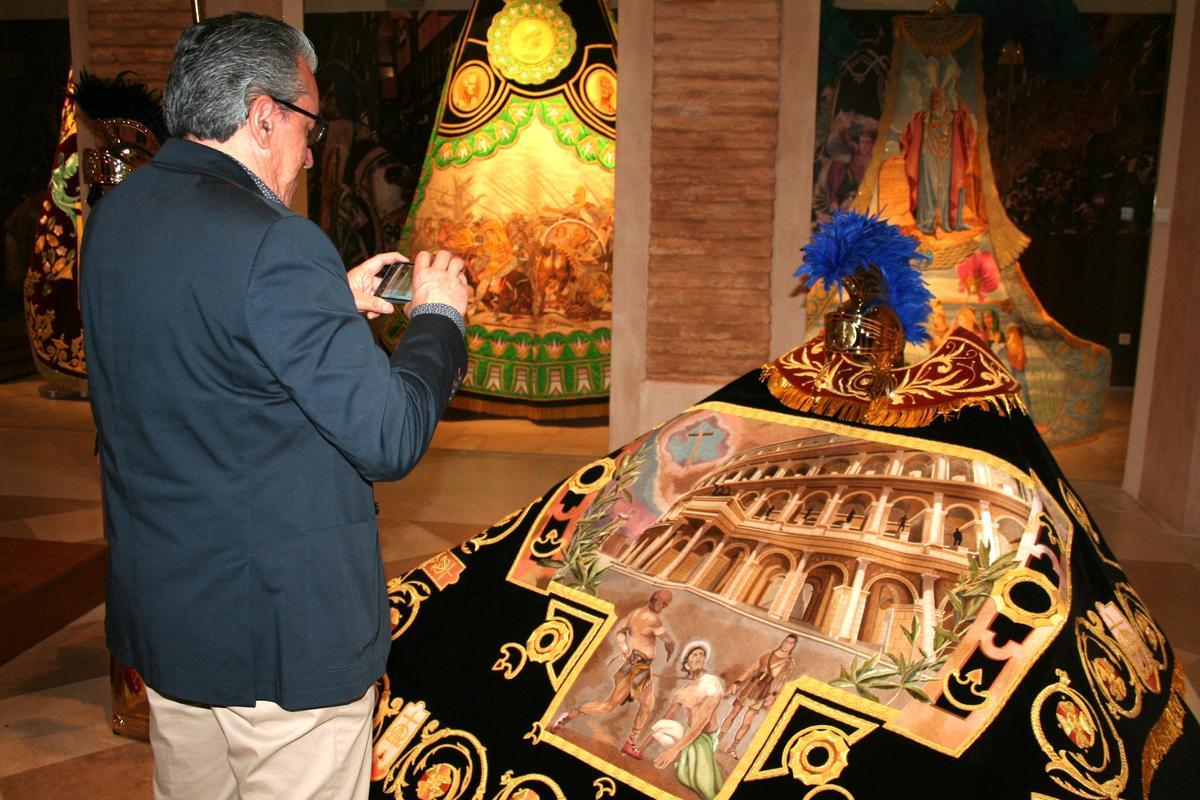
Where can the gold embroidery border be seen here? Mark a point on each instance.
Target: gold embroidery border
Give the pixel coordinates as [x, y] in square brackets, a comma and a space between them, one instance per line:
[768, 735]
[1165, 732]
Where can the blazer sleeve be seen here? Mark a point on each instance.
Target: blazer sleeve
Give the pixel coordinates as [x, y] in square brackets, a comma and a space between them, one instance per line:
[379, 413]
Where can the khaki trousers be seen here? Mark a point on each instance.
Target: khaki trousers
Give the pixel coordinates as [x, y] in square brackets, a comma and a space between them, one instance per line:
[260, 752]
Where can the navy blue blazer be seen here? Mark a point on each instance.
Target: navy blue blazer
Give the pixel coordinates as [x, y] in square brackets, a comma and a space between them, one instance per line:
[243, 411]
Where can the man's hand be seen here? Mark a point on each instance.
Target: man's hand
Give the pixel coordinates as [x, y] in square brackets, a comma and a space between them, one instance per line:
[364, 280]
[439, 278]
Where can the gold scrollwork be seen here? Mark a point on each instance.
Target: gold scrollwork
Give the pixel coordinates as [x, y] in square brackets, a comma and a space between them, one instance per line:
[817, 755]
[450, 762]
[578, 485]
[1075, 506]
[1109, 670]
[405, 595]
[545, 645]
[549, 640]
[831, 788]
[1002, 594]
[498, 531]
[956, 684]
[546, 544]
[605, 787]
[520, 788]
[1131, 603]
[1087, 756]
[1051, 531]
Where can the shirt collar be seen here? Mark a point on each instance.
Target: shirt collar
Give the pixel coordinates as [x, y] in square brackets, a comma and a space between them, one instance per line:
[262, 187]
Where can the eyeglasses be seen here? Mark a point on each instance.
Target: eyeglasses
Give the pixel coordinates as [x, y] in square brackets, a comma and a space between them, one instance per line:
[317, 132]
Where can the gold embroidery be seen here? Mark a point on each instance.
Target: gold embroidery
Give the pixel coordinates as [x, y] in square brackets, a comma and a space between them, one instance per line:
[605, 787]
[518, 788]
[443, 569]
[960, 373]
[405, 595]
[1085, 754]
[577, 484]
[1023, 578]
[1149, 632]
[448, 761]
[1075, 506]
[817, 755]
[547, 642]
[800, 747]
[552, 639]
[506, 525]
[827, 789]
[967, 685]
[1165, 732]
[1108, 668]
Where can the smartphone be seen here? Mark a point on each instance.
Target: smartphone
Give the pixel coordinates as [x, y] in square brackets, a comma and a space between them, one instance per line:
[396, 282]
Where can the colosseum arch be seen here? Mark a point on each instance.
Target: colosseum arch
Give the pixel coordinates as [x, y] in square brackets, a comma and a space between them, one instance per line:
[799, 469]
[809, 509]
[963, 519]
[692, 561]
[662, 559]
[764, 585]
[723, 568]
[1008, 484]
[645, 541]
[853, 511]
[960, 469]
[878, 464]
[1009, 529]
[883, 593]
[746, 501]
[919, 465]
[835, 466]
[908, 519]
[772, 508]
[819, 583]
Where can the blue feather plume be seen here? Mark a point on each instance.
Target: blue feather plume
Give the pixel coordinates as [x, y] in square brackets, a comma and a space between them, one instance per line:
[850, 241]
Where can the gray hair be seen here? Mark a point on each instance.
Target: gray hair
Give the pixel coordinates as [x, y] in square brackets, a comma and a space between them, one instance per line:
[222, 64]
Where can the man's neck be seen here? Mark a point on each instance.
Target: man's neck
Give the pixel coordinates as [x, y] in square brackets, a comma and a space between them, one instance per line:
[240, 149]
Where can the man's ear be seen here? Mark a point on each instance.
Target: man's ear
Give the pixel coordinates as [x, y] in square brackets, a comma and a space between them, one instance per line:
[262, 119]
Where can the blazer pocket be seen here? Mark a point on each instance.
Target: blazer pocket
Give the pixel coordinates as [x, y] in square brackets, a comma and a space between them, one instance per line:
[345, 594]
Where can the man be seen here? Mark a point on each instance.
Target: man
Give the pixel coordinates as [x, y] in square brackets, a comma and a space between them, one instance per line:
[638, 633]
[757, 687]
[243, 411]
[692, 746]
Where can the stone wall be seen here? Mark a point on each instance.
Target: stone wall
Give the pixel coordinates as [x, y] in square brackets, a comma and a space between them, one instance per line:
[137, 35]
[714, 111]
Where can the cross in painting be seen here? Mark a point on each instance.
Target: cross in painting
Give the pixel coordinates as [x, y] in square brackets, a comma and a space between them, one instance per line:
[697, 437]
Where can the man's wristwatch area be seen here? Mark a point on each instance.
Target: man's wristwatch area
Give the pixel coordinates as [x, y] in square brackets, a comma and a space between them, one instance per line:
[444, 310]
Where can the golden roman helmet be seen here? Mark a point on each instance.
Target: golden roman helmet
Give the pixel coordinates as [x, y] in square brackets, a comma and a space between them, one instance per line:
[864, 328]
[865, 324]
[128, 145]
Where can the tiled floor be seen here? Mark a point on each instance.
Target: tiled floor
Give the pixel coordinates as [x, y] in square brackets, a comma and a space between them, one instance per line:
[54, 699]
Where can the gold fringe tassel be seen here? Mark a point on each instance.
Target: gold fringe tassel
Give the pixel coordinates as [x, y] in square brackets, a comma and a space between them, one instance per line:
[854, 410]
